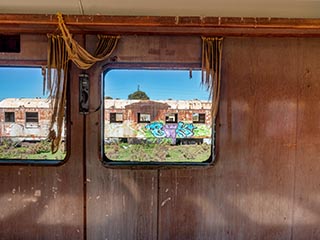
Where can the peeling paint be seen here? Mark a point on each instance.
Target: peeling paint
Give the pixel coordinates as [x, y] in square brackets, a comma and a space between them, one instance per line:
[165, 201]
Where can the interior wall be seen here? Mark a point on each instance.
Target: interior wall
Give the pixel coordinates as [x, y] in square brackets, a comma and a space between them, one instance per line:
[263, 185]
[44, 202]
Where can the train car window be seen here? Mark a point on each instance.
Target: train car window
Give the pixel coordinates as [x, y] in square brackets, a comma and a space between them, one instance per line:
[32, 117]
[144, 118]
[25, 118]
[171, 117]
[199, 118]
[116, 117]
[165, 117]
[9, 117]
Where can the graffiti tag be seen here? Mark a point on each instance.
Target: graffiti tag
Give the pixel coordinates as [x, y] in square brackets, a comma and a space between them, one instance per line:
[171, 130]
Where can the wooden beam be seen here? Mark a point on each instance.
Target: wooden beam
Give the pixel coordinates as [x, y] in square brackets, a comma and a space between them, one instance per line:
[224, 26]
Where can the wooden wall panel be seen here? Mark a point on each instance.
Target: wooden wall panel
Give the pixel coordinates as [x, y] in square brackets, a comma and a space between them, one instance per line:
[264, 184]
[120, 204]
[33, 48]
[42, 202]
[123, 204]
[248, 194]
[154, 49]
[306, 224]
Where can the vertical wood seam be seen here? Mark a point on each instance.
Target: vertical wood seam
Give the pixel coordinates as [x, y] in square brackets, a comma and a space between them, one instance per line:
[158, 203]
[295, 160]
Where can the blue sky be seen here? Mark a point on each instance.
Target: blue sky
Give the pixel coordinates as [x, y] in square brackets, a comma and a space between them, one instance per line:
[20, 82]
[157, 84]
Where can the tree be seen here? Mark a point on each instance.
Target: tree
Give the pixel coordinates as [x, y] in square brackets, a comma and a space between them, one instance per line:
[138, 95]
[108, 97]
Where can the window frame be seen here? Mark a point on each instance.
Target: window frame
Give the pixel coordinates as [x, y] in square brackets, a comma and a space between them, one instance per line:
[108, 163]
[67, 138]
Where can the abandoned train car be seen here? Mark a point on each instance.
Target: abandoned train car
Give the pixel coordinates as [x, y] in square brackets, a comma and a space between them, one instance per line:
[260, 64]
[136, 119]
[24, 119]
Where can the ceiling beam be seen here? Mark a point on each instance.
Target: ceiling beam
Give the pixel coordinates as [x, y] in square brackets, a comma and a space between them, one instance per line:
[223, 26]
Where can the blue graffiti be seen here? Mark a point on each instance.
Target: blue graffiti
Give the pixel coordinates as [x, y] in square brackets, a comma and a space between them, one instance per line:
[156, 129]
[185, 130]
[171, 130]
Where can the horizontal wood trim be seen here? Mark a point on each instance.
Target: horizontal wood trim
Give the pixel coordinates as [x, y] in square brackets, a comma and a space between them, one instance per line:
[224, 26]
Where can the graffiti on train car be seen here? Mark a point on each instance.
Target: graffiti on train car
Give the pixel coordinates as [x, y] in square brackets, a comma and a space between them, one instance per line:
[171, 130]
[159, 119]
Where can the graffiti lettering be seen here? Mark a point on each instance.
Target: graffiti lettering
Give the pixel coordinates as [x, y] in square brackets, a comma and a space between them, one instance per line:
[171, 130]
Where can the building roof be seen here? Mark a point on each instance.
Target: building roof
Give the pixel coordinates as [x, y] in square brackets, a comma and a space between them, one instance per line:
[174, 104]
[25, 103]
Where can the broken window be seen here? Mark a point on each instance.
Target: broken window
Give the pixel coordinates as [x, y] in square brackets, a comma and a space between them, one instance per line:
[144, 118]
[116, 117]
[23, 105]
[32, 117]
[199, 117]
[171, 117]
[9, 117]
[158, 123]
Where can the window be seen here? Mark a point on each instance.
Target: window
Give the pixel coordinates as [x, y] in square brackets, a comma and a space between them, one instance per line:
[32, 117]
[9, 117]
[144, 118]
[116, 117]
[159, 126]
[199, 117]
[171, 118]
[23, 105]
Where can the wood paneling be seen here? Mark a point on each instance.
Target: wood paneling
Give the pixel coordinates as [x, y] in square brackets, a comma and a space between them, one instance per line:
[42, 202]
[256, 190]
[306, 224]
[264, 184]
[120, 204]
[169, 25]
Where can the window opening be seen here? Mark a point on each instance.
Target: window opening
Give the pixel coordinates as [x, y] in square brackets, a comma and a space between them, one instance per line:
[25, 117]
[9, 117]
[32, 117]
[171, 118]
[199, 117]
[164, 117]
[144, 118]
[116, 117]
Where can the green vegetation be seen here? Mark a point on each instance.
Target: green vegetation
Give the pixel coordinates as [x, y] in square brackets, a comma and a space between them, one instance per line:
[138, 95]
[35, 151]
[158, 152]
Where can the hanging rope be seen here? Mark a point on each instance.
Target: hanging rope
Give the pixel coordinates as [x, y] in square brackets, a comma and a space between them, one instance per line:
[56, 84]
[61, 49]
[79, 55]
[211, 69]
